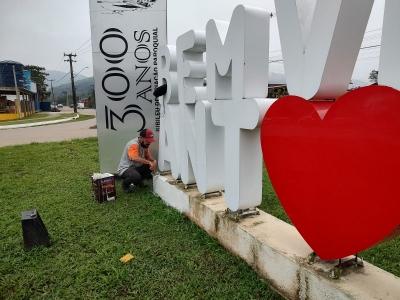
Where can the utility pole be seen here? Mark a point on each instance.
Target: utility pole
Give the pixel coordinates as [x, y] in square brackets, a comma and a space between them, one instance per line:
[51, 84]
[72, 78]
[17, 91]
[66, 92]
[52, 91]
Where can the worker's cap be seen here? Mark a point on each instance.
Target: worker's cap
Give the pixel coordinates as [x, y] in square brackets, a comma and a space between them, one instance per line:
[148, 135]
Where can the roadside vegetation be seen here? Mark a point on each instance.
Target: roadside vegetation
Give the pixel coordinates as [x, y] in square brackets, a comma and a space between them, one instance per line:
[43, 117]
[173, 258]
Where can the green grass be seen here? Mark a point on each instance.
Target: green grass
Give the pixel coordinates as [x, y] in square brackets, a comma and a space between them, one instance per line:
[29, 118]
[270, 202]
[385, 256]
[174, 259]
[43, 118]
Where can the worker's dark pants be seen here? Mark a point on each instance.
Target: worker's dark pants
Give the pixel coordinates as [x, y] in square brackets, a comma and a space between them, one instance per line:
[135, 176]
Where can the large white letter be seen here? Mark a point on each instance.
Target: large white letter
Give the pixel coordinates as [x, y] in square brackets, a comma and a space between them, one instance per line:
[201, 142]
[237, 62]
[319, 60]
[389, 64]
[168, 157]
[237, 72]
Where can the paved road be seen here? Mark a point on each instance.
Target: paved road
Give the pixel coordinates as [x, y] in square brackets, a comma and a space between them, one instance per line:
[50, 133]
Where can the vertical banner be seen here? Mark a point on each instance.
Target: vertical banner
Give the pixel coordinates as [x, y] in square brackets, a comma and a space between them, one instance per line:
[126, 36]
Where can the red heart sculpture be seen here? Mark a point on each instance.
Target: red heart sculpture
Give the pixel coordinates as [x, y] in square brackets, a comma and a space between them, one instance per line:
[335, 167]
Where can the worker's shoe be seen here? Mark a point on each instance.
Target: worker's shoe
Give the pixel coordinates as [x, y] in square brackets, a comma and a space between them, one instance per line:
[142, 185]
[128, 191]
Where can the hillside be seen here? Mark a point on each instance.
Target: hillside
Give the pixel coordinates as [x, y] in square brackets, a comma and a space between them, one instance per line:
[61, 78]
[83, 87]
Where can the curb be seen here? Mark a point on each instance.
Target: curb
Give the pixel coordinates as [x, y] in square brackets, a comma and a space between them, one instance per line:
[38, 123]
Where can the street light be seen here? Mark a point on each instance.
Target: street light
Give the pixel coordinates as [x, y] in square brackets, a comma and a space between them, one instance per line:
[81, 71]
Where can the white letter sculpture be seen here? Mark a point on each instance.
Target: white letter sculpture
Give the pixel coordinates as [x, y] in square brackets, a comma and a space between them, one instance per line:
[389, 64]
[201, 142]
[168, 159]
[319, 60]
[237, 73]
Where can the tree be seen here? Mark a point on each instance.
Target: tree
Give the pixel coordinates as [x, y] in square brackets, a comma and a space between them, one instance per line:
[373, 76]
[38, 75]
[92, 99]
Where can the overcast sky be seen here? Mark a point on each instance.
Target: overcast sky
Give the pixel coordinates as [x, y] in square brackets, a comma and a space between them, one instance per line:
[39, 32]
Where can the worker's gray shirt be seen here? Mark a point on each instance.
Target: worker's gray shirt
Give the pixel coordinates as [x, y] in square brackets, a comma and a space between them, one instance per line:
[125, 162]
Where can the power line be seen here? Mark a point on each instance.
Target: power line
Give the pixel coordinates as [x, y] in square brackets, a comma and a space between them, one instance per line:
[373, 36]
[61, 71]
[84, 49]
[374, 46]
[59, 63]
[366, 38]
[62, 78]
[82, 45]
[373, 30]
[363, 48]
[90, 50]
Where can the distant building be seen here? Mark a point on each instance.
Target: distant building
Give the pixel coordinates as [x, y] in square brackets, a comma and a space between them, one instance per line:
[85, 102]
[16, 95]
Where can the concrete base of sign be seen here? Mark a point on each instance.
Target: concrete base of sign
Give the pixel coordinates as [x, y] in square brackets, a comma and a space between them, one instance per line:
[275, 250]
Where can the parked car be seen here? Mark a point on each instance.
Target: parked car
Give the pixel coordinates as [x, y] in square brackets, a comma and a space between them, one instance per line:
[78, 105]
[60, 106]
